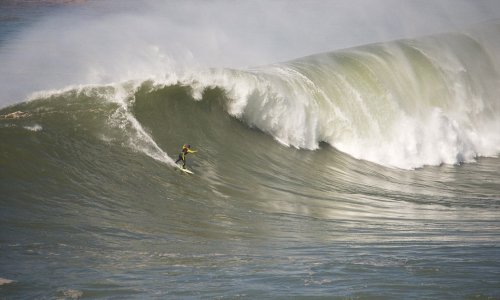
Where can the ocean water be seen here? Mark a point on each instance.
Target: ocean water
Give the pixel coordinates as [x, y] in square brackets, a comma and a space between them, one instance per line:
[370, 172]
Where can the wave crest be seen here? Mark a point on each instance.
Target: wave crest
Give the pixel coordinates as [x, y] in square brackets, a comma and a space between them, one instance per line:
[403, 104]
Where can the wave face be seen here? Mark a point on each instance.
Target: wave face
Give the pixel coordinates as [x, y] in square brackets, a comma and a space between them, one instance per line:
[403, 104]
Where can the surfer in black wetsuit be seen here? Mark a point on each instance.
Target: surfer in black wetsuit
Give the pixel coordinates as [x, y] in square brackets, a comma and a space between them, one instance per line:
[186, 148]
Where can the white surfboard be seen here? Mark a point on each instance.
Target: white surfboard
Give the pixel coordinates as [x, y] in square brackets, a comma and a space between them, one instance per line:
[184, 170]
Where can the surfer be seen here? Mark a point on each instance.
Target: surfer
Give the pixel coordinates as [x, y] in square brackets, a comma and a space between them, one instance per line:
[186, 148]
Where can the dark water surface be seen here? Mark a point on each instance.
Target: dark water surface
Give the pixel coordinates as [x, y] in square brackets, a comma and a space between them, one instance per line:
[83, 214]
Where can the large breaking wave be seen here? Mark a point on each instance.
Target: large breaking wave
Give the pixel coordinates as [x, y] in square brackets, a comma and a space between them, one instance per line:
[404, 104]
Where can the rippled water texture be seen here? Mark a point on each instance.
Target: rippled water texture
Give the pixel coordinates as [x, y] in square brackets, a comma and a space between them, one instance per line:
[366, 173]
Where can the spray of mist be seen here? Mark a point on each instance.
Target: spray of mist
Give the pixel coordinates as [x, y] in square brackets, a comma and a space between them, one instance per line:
[100, 42]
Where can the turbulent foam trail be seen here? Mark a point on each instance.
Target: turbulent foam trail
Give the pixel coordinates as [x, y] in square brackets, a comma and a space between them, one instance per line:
[404, 104]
